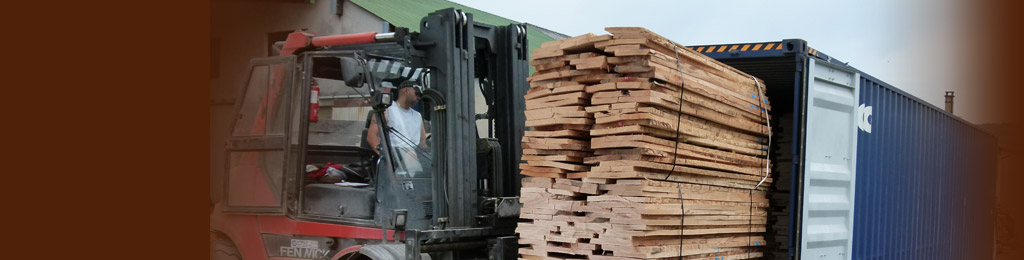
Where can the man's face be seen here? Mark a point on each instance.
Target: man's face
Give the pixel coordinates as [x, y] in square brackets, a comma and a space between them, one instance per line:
[409, 96]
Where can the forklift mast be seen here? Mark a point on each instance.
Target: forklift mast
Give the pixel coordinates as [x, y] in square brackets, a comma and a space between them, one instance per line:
[473, 172]
[476, 181]
[461, 54]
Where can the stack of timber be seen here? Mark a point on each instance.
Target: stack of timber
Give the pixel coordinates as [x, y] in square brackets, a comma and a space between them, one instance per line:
[554, 148]
[679, 144]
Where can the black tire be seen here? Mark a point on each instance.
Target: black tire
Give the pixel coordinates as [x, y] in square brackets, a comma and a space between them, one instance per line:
[222, 249]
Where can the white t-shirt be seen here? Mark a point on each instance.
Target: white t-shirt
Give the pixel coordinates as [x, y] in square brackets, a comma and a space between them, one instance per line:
[408, 122]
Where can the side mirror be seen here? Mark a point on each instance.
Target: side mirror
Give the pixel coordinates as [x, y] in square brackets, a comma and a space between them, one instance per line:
[381, 100]
[351, 71]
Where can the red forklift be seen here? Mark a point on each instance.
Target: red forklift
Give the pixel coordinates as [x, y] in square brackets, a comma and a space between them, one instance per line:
[456, 197]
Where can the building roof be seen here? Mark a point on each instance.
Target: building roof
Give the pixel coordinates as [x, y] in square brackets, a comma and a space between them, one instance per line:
[553, 34]
[408, 14]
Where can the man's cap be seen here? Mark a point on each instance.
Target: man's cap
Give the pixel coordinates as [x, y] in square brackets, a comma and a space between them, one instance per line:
[410, 84]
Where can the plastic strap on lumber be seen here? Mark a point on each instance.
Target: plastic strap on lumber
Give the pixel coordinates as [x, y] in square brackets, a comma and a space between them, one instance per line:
[679, 118]
[764, 114]
[767, 160]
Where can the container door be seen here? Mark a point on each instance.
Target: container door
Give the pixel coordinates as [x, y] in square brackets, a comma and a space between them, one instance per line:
[830, 162]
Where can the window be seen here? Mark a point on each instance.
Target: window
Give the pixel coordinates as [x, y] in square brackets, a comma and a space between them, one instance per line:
[342, 115]
[253, 102]
[256, 158]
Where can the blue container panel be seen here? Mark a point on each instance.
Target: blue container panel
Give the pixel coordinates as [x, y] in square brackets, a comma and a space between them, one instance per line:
[925, 178]
[925, 181]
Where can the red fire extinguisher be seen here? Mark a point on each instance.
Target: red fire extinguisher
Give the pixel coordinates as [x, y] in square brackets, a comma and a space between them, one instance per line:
[314, 104]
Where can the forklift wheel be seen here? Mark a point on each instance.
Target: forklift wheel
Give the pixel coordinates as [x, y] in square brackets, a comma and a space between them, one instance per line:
[223, 249]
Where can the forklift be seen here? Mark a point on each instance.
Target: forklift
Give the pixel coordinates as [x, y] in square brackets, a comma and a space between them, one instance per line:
[455, 197]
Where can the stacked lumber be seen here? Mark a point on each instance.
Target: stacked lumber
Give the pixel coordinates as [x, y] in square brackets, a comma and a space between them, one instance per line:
[556, 226]
[554, 149]
[678, 143]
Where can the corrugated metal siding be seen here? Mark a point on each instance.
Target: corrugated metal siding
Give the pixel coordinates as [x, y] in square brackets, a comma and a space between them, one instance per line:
[925, 181]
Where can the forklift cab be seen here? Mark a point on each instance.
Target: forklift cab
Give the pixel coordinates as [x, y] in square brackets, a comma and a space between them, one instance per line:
[454, 199]
[297, 113]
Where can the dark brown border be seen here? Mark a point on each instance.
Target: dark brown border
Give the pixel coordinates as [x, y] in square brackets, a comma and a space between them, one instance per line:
[1000, 24]
[105, 106]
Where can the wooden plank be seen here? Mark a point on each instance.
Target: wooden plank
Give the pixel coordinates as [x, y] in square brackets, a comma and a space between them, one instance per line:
[597, 62]
[560, 121]
[670, 103]
[556, 152]
[539, 92]
[557, 133]
[688, 136]
[666, 145]
[559, 165]
[681, 174]
[556, 158]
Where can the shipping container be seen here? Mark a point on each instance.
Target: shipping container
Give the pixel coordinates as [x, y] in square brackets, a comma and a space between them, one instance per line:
[864, 170]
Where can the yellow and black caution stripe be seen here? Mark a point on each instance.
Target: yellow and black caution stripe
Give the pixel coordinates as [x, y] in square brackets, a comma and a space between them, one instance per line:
[812, 52]
[765, 46]
[741, 47]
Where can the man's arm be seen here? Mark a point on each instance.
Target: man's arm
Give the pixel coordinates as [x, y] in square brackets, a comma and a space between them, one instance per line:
[423, 137]
[372, 134]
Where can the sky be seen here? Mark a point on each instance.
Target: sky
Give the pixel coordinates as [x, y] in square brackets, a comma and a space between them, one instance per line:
[911, 44]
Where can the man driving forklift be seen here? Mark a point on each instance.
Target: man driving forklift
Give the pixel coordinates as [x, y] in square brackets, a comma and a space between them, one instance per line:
[405, 129]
